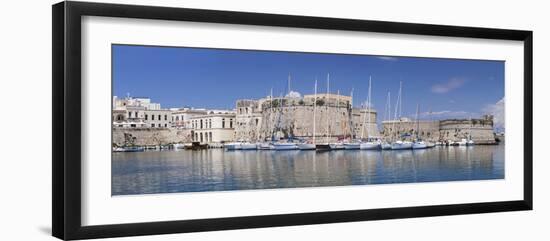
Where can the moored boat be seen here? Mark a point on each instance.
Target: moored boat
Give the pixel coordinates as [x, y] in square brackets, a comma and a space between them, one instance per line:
[322, 147]
[401, 145]
[385, 146]
[370, 145]
[129, 149]
[283, 146]
[248, 146]
[336, 146]
[419, 145]
[265, 146]
[306, 146]
[352, 145]
[232, 146]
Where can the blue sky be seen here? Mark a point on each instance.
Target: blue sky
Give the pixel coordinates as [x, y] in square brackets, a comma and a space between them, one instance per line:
[214, 78]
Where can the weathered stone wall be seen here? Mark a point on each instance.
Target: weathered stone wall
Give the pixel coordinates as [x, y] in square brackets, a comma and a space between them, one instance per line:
[480, 130]
[150, 136]
[407, 130]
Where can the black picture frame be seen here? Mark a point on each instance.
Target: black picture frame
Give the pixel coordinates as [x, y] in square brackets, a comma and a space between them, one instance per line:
[66, 127]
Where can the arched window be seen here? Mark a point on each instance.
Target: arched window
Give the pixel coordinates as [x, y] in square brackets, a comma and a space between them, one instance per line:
[223, 122]
[201, 123]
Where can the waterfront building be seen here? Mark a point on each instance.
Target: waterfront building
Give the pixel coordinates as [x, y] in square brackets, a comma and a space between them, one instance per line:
[215, 127]
[145, 102]
[139, 113]
[181, 118]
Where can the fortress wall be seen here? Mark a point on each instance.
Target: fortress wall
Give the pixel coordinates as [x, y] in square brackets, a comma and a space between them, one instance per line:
[150, 136]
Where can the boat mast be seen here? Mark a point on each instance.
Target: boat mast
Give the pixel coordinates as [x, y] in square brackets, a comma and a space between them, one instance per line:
[270, 122]
[369, 110]
[328, 101]
[314, 108]
[338, 106]
[396, 107]
[351, 130]
[417, 122]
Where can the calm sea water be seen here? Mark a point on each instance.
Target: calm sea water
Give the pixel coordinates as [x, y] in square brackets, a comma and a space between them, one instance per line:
[218, 170]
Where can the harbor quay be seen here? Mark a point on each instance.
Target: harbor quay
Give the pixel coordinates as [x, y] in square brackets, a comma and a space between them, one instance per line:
[136, 121]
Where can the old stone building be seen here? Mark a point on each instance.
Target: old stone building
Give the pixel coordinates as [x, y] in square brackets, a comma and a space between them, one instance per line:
[285, 117]
[181, 118]
[480, 129]
[131, 113]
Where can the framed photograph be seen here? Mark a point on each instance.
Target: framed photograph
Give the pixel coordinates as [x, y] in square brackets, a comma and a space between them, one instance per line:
[172, 120]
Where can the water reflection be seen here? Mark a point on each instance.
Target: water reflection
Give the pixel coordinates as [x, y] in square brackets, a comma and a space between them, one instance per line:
[216, 169]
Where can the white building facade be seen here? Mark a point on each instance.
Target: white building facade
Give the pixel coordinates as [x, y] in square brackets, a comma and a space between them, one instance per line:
[214, 127]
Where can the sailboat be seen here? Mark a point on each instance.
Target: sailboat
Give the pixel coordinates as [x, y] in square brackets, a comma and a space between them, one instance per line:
[352, 144]
[418, 143]
[286, 145]
[369, 144]
[400, 144]
[470, 142]
[311, 146]
[387, 113]
[326, 146]
[337, 145]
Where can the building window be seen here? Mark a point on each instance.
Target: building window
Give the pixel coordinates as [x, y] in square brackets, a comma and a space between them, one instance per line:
[152, 125]
[256, 121]
[160, 118]
[223, 122]
[210, 136]
[152, 117]
[230, 123]
[129, 114]
[132, 125]
[201, 138]
[201, 124]
[165, 125]
[146, 116]
[165, 117]
[177, 118]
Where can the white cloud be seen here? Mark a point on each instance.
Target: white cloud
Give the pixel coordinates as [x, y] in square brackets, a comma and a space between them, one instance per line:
[294, 94]
[387, 58]
[451, 84]
[497, 110]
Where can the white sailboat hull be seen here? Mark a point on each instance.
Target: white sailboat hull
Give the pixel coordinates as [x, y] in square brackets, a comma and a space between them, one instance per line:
[401, 145]
[336, 146]
[306, 146]
[265, 146]
[248, 146]
[419, 145]
[385, 146]
[232, 146]
[352, 146]
[369, 146]
[285, 146]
